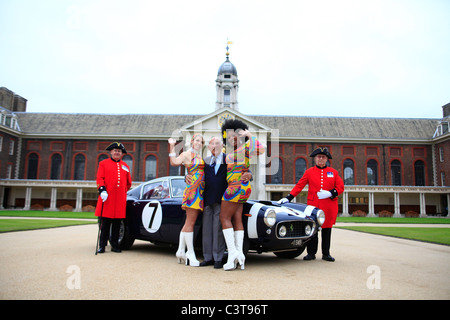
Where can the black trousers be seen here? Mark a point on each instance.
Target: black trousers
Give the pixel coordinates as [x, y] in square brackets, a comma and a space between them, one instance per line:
[108, 232]
[311, 246]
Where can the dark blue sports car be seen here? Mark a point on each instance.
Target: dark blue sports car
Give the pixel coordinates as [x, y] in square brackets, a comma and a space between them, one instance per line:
[154, 214]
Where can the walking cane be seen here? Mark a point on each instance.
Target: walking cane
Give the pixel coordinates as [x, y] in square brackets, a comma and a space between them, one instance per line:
[99, 228]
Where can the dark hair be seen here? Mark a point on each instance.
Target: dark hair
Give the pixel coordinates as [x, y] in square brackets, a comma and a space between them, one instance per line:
[232, 124]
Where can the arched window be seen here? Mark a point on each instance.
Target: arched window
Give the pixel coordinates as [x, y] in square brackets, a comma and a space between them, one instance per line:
[372, 172]
[226, 95]
[102, 157]
[79, 166]
[349, 177]
[396, 173]
[129, 161]
[419, 173]
[300, 168]
[33, 163]
[277, 177]
[150, 168]
[55, 171]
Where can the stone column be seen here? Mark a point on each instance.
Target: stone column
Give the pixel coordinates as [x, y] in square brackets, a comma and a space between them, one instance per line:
[27, 199]
[397, 204]
[79, 202]
[448, 204]
[423, 206]
[371, 212]
[345, 212]
[53, 199]
[2, 197]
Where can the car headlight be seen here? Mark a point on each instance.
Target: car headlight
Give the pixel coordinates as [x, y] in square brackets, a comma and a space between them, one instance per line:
[320, 217]
[282, 231]
[270, 217]
[308, 230]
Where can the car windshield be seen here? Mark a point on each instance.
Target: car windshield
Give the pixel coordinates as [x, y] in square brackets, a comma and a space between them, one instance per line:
[156, 190]
[178, 186]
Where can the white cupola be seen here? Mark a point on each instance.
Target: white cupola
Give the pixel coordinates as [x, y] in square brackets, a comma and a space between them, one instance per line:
[227, 85]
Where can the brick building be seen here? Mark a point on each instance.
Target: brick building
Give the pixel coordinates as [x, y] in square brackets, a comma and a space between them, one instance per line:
[49, 160]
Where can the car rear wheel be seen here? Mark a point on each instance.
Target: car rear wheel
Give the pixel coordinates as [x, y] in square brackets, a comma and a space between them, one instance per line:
[125, 239]
[290, 254]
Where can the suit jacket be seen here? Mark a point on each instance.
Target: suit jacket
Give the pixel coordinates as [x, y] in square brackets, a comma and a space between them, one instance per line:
[215, 184]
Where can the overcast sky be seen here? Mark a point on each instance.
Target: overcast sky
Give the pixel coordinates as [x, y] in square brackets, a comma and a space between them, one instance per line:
[362, 58]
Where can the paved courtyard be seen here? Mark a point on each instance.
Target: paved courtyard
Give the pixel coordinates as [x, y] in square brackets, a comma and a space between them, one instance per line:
[60, 264]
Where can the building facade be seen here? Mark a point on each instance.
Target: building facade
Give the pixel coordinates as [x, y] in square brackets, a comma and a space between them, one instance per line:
[390, 166]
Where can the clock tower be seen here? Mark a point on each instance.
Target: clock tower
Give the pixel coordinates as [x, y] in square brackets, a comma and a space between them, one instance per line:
[227, 85]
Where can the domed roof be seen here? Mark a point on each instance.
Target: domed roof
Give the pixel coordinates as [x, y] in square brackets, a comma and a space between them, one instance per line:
[227, 67]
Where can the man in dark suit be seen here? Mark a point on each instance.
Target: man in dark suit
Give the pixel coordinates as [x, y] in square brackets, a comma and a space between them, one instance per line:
[215, 186]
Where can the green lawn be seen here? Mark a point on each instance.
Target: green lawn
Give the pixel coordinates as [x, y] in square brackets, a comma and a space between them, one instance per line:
[8, 225]
[434, 235]
[47, 214]
[394, 220]
[13, 224]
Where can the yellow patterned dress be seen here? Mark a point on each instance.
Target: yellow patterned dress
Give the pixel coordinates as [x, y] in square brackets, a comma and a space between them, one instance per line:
[193, 194]
[238, 162]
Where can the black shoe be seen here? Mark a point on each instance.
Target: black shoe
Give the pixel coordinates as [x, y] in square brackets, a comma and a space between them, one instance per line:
[101, 250]
[218, 264]
[116, 250]
[206, 263]
[309, 257]
[328, 258]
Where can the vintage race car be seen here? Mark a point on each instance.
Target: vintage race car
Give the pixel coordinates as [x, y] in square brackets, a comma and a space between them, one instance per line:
[154, 214]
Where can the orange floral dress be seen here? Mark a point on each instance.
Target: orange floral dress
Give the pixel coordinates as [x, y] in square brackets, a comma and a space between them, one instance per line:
[193, 194]
[238, 162]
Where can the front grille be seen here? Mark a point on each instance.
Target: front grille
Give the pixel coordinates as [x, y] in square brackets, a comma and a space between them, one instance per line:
[294, 229]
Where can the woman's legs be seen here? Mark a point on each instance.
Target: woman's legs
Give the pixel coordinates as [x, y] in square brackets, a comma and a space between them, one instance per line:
[237, 217]
[181, 252]
[231, 219]
[187, 233]
[191, 218]
[228, 211]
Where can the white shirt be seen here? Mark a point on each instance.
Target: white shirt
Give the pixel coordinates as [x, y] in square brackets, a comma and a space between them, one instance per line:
[217, 160]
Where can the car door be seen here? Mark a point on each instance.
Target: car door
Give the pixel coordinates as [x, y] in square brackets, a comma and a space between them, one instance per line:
[159, 216]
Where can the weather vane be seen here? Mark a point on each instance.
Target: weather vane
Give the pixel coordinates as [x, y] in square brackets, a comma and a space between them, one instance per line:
[228, 42]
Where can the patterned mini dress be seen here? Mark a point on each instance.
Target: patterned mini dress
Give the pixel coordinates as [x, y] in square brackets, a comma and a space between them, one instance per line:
[238, 162]
[193, 194]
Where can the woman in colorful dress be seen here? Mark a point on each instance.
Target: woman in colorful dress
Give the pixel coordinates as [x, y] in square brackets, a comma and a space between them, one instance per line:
[241, 146]
[192, 197]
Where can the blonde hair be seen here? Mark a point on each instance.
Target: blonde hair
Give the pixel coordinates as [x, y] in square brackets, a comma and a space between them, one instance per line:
[198, 135]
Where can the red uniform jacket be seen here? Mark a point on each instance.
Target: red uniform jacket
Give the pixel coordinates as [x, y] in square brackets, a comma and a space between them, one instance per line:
[321, 179]
[116, 178]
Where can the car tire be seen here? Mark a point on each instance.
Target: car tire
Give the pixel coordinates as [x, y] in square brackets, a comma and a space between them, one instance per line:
[290, 254]
[126, 241]
[245, 246]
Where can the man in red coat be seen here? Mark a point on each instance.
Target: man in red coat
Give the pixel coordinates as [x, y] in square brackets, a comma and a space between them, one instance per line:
[324, 185]
[113, 182]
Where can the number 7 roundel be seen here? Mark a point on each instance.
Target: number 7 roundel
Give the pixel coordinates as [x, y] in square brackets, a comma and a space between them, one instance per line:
[152, 216]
